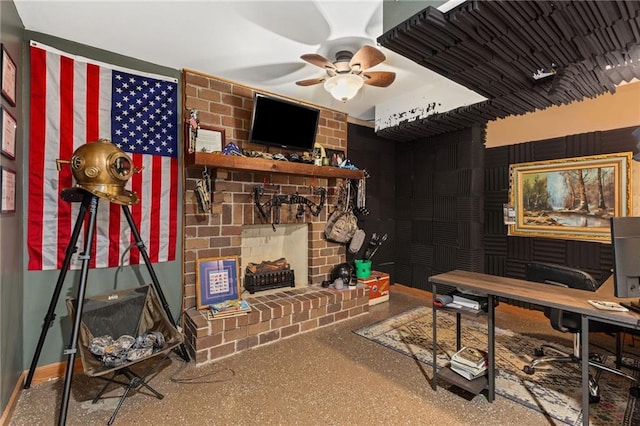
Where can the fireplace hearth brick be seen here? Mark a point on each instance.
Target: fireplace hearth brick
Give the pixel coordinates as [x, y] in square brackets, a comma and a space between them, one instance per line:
[273, 317]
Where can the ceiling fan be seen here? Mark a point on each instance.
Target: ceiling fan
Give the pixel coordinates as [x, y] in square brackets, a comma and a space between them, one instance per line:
[349, 72]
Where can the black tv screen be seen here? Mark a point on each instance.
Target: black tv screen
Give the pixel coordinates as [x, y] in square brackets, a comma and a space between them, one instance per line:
[281, 123]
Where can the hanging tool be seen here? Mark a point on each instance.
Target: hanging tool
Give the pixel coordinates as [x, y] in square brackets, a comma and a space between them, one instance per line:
[278, 200]
[203, 191]
[374, 244]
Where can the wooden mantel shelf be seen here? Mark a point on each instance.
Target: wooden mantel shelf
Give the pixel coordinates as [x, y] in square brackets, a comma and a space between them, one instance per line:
[230, 162]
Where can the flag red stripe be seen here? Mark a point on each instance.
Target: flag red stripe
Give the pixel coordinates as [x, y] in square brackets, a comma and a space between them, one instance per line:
[65, 152]
[154, 219]
[93, 102]
[173, 211]
[37, 123]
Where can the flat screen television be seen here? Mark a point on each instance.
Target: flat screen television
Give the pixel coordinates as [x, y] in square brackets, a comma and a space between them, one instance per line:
[281, 123]
[625, 243]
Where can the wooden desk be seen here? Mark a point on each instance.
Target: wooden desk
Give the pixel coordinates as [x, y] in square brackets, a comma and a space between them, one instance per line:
[567, 299]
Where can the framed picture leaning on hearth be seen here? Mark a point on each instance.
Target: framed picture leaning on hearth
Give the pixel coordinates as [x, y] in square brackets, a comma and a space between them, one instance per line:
[216, 280]
[570, 198]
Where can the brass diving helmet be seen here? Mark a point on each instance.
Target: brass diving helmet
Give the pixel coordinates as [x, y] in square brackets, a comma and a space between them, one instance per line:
[103, 169]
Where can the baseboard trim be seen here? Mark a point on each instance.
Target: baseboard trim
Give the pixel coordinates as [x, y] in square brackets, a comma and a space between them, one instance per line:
[13, 400]
[42, 374]
[54, 371]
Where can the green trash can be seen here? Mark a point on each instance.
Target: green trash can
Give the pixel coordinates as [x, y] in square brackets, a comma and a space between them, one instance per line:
[363, 268]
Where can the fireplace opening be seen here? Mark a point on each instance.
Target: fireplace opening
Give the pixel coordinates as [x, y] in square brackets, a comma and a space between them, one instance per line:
[260, 243]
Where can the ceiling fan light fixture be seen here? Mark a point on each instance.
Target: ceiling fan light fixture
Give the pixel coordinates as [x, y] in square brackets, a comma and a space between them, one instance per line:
[344, 86]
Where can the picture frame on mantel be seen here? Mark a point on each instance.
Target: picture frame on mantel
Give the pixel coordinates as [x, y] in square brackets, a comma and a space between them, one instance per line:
[8, 126]
[570, 198]
[9, 73]
[216, 281]
[335, 156]
[204, 138]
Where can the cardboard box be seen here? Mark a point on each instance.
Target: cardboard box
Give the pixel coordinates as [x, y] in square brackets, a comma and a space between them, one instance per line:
[378, 284]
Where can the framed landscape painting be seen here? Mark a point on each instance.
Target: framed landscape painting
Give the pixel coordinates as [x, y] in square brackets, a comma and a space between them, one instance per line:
[570, 198]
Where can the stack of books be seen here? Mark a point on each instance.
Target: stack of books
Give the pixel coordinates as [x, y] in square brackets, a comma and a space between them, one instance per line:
[469, 362]
[229, 308]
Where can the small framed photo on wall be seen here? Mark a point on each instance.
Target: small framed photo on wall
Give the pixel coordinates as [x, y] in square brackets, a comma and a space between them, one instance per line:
[7, 190]
[8, 77]
[8, 127]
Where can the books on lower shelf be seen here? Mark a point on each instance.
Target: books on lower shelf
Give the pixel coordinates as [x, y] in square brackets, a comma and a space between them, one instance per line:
[471, 301]
[469, 362]
[462, 300]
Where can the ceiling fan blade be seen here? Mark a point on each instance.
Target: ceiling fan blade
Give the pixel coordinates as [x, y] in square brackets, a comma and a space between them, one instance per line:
[366, 57]
[379, 78]
[318, 60]
[310, 82]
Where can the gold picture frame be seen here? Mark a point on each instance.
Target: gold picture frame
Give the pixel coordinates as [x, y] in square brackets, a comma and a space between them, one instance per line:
[570, 198]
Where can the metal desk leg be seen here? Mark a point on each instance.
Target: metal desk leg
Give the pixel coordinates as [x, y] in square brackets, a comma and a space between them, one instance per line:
[434, 345]
[492, 354]
[584, 356]
[458, 331]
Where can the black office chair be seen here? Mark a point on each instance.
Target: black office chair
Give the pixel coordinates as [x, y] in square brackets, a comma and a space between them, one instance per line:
[569, 322]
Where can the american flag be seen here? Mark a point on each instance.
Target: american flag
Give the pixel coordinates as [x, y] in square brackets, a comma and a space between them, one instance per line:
[76, 101]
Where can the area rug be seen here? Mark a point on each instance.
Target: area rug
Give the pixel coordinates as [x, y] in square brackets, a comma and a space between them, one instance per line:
[554, 390]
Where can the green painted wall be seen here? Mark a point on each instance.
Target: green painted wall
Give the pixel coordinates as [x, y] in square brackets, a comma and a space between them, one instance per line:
[12, 224]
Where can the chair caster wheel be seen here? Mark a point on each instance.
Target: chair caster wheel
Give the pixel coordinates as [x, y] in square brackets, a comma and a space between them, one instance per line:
[594, 399]
[634, 391]
[538, 352]
[528, 369]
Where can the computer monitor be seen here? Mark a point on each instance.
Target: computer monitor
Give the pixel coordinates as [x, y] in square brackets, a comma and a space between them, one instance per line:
[625, 243]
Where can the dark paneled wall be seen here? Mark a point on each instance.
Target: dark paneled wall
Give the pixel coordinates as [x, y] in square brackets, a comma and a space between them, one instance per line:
[507, 256]
[439, 206]
[377, 156]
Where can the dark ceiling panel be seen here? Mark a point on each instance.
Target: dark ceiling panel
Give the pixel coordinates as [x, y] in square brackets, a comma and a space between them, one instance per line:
[496, 47]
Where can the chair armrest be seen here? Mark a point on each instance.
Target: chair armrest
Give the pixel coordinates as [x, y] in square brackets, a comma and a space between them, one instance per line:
[556, 318]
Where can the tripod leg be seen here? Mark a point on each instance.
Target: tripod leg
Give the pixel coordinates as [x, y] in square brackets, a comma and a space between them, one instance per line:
[85, 256]
[48, 319]
[154, 277]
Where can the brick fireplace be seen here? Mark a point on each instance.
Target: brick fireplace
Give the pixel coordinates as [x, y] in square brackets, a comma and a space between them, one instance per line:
[277, 313]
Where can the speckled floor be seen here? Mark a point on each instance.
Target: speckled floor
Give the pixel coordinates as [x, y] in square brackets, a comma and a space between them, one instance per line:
[329, 376]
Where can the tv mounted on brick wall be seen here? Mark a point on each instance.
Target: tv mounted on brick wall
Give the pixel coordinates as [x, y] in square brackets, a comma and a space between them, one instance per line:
[282, 123]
